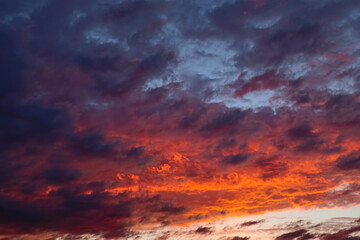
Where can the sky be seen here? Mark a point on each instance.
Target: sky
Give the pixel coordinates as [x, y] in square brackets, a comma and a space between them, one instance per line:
[180, 119]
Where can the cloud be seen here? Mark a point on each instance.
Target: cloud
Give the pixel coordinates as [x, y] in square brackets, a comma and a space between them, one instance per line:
[225, 121]
[235, 159]
[203, 230]
[126, 113]
[348, 162]
[251, 223]
[240, 238]
[342, 234]
[60, 176]
[92, 144]
[21, 217]
[291, 235]
[266, 81]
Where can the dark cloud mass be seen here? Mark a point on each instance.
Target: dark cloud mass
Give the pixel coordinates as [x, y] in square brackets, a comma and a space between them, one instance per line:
[291, 235]
[251, 223]
[120, 115]
[240, 238]
[203, 230]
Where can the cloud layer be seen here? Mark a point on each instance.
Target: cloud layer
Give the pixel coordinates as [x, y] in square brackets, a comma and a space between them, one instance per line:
[120, 114]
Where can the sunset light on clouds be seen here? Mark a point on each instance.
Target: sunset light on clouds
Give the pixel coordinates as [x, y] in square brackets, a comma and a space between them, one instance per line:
[166, 119]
